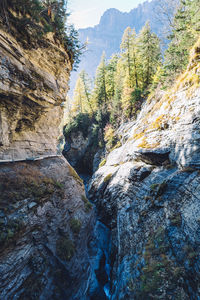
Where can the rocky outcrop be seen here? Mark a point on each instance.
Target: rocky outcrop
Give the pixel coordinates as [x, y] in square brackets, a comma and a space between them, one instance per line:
[33, 85]
[148, 194]
[83, 151]
[46, 223]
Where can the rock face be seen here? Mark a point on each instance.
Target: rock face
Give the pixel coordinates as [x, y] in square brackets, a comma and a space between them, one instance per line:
[46, 223]
[83, 151]
[33, 85]
[148, 195]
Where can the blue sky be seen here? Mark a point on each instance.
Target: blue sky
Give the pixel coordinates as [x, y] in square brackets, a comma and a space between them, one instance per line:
[85, 13]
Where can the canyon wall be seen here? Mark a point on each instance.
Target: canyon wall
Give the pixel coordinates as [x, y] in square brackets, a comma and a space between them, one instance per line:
[46, 222]
[148, 194]
[33, 86]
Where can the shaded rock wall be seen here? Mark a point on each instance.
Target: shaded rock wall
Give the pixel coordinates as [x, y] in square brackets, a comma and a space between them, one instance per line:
[83, 153]
[45, 224]
[46, 221]
[148, 195]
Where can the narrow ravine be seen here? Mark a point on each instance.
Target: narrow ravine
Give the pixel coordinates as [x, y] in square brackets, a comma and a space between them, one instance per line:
[102, 236]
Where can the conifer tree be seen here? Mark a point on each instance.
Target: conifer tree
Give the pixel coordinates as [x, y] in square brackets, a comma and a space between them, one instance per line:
[86, 86]
[78, 95]
[118, 89]
[126, 101]
[129, 56]
[149, 54]
[100, 94]
[110, 78]
[186, 28]
[82, 102]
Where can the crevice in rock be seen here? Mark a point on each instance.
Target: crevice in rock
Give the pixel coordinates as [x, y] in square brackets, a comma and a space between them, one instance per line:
[153, 158]
[99, 252]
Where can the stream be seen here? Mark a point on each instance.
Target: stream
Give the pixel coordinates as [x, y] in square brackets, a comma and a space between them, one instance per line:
[100, 261]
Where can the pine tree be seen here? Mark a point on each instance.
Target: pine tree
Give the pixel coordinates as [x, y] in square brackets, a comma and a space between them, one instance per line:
[126, 101]
[86, 85]
[78, 98]
[129, 56]
[186, 28]
[149, 54]
[82, 102]
[110, 78]
[100, 94]
[118, 89]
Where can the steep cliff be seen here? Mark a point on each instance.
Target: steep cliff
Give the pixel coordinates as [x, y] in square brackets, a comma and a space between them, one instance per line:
[32, 89]
[45, 219]
[46, 223]
[147, 193]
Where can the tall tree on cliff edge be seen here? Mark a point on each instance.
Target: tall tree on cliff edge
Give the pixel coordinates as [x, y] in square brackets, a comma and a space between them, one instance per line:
[129, 55]
[186, 28]
[149, 54]
[100, 94]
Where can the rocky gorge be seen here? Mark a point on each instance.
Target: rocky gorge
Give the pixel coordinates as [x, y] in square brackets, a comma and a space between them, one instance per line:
[147, 193]
[46, 221]
[141, 238]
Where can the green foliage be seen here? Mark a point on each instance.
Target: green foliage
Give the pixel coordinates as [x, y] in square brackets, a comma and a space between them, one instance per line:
[9, 230]
[80, 123]
[107, 178]
[82, 102]
[75, 226]
[65, 248]
[122, 83]
[159, 267]
[100, 93]
[59, 185]
[28, 182]
[185, 31]
[109, 136]
[35, 18]
[73, 173]
[149, 54]
[154, 186]
[88, 205]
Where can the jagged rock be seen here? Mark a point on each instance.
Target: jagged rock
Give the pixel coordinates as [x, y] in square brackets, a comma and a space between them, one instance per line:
[82, 151]
[45, 219]
[153, 157]
[32, 88]
[42, 254]
[151, 201]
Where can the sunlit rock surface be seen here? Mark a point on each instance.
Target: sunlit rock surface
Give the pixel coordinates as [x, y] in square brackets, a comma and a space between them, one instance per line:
[33, 85]
[148, 194]
[46, 222]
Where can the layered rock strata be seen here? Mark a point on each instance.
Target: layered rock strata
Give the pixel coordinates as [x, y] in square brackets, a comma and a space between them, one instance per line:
[33, 86]
[148, 194]
[46, 221]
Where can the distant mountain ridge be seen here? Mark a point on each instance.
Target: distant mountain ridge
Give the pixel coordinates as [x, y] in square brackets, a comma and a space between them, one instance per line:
[106, 36]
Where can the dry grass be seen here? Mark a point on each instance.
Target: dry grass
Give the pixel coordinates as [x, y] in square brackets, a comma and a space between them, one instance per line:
[73, 173]
[145, 145]
[24, 181]
[189, 81]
